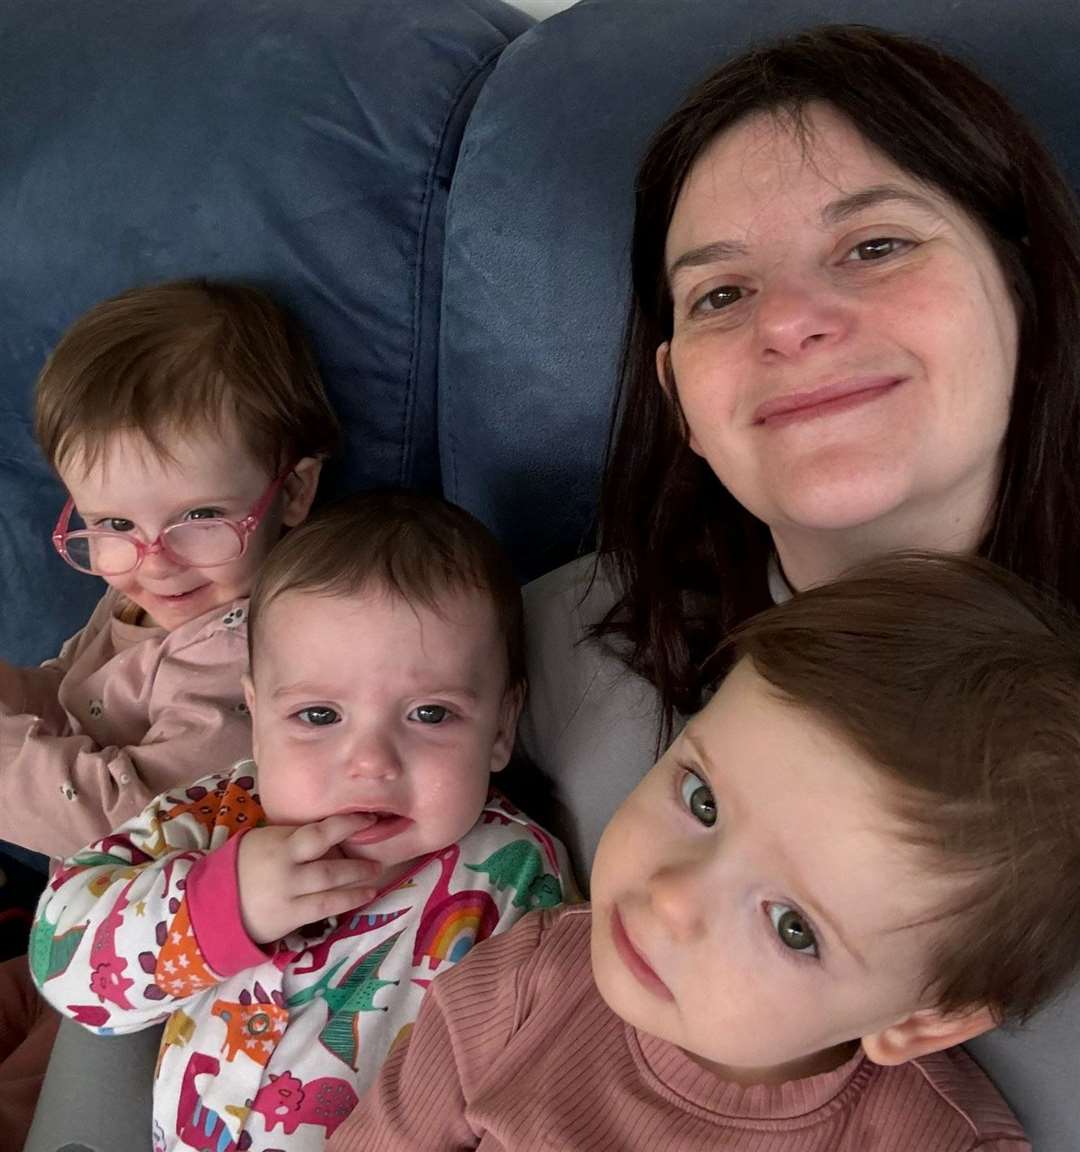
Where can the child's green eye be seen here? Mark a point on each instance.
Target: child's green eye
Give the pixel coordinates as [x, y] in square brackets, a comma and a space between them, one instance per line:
[429, 713]
[698, 798]
[793, 929]
[319, 716]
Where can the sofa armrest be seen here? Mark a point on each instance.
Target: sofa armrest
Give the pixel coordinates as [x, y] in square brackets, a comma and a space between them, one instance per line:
[81, 1113]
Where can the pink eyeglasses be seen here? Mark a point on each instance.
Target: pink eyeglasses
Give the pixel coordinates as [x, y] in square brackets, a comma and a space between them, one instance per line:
[192, 543]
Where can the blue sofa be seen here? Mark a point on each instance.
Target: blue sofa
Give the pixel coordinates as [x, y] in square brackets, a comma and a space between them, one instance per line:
[441, 190]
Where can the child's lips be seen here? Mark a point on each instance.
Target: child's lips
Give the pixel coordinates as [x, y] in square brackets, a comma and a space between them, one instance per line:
[387, 825]
[637, 964]
[178, 597]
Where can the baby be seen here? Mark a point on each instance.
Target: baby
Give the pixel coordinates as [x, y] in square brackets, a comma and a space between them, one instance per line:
[288, 915]
[861, 852]
[188, 423]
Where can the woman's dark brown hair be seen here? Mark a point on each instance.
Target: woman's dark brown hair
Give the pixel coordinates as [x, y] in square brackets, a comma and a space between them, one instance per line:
[690, 562]
[961, 685]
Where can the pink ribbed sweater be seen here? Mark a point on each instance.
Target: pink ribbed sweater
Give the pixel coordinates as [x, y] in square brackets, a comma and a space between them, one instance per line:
[515, 1051]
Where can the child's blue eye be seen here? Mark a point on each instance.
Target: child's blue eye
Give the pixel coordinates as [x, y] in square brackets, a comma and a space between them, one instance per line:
[319, 716]
[698, 798]
[429, 713]
[793, 928]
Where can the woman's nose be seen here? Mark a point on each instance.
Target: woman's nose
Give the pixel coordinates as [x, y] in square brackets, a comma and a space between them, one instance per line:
[797, 316]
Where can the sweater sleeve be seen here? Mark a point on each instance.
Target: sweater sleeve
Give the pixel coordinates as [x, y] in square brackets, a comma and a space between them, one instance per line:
[421, 1097]
[115, 943]
[59, 791]
[32, 690]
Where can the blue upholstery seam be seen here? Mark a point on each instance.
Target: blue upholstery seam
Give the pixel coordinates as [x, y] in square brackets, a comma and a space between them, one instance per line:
[467, 83]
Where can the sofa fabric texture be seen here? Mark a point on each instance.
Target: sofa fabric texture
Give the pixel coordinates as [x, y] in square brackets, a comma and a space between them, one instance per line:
[306, 147]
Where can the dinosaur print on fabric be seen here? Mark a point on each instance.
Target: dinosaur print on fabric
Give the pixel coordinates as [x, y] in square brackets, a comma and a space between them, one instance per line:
[270, 1051]
[355, 994]
[520, 866]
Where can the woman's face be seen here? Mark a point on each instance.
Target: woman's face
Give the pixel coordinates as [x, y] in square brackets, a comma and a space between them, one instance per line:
[844, 342]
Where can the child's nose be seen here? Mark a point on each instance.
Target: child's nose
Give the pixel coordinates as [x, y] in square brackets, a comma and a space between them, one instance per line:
[156, 563]
[678, 900]
[373, 757]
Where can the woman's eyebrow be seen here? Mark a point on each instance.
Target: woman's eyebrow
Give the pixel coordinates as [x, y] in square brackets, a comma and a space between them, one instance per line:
[707, 254]
[836, 211]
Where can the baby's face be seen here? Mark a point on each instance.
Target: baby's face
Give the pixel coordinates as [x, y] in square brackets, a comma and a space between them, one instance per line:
[753, 900]
[131, 491]
[371, 704]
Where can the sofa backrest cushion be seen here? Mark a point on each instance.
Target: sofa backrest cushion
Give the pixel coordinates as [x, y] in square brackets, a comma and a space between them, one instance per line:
[306, 147]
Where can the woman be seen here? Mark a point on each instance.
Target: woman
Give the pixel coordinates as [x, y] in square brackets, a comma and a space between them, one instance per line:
[855, 327]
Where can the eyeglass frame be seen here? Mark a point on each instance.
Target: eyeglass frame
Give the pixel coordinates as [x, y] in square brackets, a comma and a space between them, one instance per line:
[244, 528]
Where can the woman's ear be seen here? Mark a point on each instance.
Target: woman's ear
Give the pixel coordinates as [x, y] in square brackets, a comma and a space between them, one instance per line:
[666, 376]
[925, 1031]
[299, 490]
[512, 703]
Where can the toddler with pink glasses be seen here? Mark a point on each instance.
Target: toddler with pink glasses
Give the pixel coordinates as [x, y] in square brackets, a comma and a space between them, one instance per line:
[188, 423]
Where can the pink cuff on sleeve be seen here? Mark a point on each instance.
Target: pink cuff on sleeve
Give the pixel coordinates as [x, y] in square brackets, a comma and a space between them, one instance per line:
[213, 899]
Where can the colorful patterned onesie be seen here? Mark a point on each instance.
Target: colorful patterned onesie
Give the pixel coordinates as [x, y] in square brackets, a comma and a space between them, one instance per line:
[266, 1048]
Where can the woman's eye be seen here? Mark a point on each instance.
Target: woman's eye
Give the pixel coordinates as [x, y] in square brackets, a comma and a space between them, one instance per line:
[793, 929]
[429, 713]
[116, 524]
[698, 798]
[204, 514]
[877, 249]
[717, 299]
[319, 716]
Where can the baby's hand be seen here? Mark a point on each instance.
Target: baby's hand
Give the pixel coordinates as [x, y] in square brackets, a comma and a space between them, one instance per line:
[288, 877]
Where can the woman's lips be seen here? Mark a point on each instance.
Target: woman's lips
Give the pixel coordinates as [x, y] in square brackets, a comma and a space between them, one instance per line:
[387, 825]
[639, 967]
[826, 401]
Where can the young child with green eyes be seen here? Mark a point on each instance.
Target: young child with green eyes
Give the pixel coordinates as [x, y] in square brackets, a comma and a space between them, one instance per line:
[287, 916]
[863, 851]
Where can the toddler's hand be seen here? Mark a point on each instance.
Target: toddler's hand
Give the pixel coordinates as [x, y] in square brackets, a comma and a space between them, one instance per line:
[288, 877]
[11, 689]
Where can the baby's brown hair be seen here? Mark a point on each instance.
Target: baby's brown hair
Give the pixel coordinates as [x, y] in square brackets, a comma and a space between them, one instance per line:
[962, 685]
[408, 543]
[179, 357]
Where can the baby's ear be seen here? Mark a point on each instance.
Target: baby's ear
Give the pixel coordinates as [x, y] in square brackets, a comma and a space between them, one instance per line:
[512, 703]
[925, 1031]
[249, 700]
[299, 489]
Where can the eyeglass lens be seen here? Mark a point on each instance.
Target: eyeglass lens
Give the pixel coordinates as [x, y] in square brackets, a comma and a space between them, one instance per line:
[196, 542]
